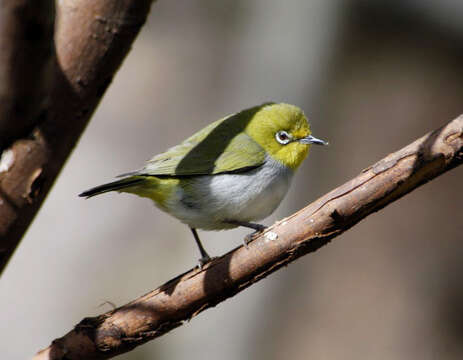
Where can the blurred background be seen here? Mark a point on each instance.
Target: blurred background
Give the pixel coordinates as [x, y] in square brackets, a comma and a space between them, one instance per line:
[372, 76]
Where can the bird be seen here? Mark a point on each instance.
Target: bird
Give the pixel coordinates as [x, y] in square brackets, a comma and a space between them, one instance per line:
[233, 172]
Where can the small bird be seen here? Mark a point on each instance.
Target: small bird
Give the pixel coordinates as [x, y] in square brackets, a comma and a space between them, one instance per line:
[234, 171]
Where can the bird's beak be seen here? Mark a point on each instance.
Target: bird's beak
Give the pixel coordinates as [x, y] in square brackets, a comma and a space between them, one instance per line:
[312, 140]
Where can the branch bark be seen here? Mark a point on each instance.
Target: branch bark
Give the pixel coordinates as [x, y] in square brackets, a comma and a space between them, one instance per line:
[26, 43]
[91, 40]
[187, 295]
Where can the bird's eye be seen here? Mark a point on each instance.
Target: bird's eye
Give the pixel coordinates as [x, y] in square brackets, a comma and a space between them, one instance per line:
[283, 137]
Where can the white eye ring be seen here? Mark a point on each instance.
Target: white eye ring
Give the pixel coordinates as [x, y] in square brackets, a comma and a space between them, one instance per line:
[283, 137]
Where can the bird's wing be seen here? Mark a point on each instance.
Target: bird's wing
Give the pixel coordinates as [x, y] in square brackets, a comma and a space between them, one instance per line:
[221, 147]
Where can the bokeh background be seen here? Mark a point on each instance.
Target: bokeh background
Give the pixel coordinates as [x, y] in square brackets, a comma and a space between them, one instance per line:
[372, 76]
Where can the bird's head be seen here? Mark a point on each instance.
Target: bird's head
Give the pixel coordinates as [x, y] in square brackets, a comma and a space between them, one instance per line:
[284, 132]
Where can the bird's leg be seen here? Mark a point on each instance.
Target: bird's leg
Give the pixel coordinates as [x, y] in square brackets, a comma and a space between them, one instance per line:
[205, 258]
[257, 227]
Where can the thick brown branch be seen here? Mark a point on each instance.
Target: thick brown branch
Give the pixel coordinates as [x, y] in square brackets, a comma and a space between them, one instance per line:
[182, 298]
[26, 43]
[92, 38]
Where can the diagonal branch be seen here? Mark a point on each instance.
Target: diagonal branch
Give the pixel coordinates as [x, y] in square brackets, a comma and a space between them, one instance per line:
[26, 43]
[92, 38]
[184, 297]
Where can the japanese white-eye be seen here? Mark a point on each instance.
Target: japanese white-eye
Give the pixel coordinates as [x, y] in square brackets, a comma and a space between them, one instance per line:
[234, 171]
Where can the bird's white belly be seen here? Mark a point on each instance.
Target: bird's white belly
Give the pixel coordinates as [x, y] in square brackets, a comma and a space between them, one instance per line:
[248, 196]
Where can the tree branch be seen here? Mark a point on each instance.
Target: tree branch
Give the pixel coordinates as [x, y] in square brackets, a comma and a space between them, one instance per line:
[92, 38]
[26, 43]
[184, 297]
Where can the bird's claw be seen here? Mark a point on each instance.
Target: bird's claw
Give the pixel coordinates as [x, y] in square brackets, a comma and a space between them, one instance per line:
[203, 261]
[249, 237]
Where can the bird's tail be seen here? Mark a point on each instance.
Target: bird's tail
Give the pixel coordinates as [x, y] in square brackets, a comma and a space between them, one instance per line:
[114, 186]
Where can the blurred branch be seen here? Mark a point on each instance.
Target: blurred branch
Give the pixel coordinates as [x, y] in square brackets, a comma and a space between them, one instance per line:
[26, 43]
[26, 38]
[91, 40]
[184, 297]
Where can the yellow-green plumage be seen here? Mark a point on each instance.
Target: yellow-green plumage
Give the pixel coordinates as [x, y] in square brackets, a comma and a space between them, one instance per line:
[154, 188]
[271, 119]
[233, 171]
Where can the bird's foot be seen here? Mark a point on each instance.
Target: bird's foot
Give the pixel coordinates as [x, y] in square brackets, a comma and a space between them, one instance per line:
[249, 237]
[205, 258]
[203, 261]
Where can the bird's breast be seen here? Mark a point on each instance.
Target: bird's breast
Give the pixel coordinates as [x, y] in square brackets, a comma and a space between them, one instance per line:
[205, 202]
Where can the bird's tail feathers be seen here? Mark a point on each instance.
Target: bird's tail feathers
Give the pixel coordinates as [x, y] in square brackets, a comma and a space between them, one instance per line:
[113, 186]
